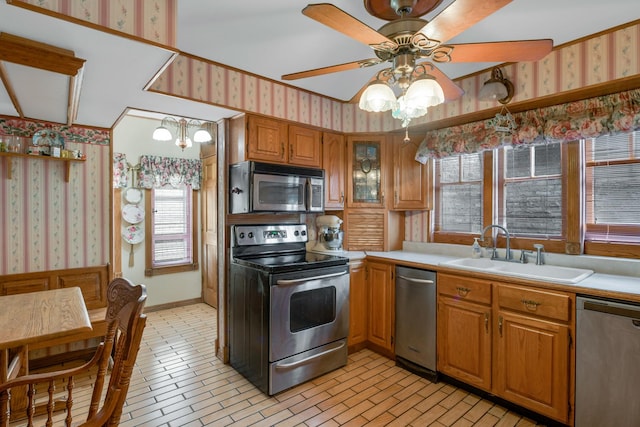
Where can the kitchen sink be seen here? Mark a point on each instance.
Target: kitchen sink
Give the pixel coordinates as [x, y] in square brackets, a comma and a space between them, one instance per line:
[544, 273]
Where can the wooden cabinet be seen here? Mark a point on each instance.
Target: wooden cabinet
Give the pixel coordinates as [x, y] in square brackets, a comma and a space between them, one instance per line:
[266, 139]
[533, 357]
[366, 171]
[512, 341]
[464, 329]
[305, 146]
[358, 305]
[380, 280]
[411, 179]
[373, 230]
[271, 140]
[333, 162]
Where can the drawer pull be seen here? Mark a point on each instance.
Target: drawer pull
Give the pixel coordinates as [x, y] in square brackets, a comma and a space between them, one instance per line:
[530, 305]
[462, 291]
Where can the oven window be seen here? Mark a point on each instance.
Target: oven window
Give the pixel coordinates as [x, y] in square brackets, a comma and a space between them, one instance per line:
[312, 308]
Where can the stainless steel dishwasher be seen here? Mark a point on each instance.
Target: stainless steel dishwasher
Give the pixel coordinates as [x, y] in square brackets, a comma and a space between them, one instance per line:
[416, 321]
[607, 363]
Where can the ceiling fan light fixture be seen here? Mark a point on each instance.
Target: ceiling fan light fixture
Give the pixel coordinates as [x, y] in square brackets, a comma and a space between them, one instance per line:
[424, 92]
[377, 97]
[497, 88]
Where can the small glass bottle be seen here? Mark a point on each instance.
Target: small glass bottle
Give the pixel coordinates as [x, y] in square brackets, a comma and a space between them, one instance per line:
[476, 250]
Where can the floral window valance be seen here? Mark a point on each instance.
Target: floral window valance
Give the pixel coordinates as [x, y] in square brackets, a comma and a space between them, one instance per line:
[609, 114]
[156, 171]
[120, 169]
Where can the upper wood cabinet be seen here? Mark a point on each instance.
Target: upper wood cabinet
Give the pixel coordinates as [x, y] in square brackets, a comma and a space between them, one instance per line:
[333, 161]
[271, 140]
[411, 179]
[366, 171]
[305, 146]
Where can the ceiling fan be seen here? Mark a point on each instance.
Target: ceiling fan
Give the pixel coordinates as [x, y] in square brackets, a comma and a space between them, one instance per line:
[412, 45]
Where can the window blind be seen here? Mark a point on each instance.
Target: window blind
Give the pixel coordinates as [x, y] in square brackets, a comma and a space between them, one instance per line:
[171, 226]
[612, 183]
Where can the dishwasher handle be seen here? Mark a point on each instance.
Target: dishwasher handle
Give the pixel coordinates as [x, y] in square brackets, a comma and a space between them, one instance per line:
[414, 280]
[618, 311]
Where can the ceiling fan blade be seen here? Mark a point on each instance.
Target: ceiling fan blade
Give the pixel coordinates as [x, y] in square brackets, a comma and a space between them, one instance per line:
[458, 16]
[451, 90]
[511, 51]
[331, 69]
[341, 21]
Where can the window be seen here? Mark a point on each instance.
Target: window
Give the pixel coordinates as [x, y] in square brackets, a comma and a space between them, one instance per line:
[530, 202]
[171, 230]
[613, 188]
[459, 194]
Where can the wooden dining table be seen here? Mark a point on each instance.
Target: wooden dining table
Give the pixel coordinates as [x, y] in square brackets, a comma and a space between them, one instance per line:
[37, 316]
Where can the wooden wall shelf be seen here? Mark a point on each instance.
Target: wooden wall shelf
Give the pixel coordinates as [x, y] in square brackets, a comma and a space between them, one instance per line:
[8, 157]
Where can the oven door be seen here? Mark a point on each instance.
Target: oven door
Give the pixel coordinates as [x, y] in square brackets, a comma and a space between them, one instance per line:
[279, 193]
[308, 312]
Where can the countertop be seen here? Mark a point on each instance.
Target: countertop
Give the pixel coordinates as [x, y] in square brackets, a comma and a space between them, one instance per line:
[619, 279]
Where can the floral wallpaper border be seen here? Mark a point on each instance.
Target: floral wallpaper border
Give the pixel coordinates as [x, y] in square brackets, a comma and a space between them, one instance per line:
[26, 128]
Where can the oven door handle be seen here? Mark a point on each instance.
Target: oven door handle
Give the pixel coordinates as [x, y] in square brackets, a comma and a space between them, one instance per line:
[308, 279]
[293, 365]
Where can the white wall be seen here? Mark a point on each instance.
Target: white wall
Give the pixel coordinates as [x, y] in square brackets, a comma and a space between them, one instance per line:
[132, 136]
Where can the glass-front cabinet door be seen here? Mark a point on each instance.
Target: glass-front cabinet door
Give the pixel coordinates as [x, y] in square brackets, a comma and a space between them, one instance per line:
[365, 171]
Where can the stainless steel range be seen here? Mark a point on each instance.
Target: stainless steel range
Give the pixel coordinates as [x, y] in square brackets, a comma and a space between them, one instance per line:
[288, 308]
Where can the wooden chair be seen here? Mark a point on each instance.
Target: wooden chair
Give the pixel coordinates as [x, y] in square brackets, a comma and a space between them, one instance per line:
[119, 349]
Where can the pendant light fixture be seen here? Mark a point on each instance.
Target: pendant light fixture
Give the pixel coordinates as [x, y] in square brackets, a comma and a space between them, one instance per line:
[162, 133]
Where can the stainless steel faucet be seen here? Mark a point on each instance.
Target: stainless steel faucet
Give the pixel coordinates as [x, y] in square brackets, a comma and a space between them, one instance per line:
[494, 255]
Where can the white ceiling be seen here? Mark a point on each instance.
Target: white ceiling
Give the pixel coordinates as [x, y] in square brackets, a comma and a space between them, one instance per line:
[267, 38]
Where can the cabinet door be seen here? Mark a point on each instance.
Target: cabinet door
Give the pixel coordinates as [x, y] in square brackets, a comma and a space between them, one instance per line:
[464, 341]
[380, 282]
[305, 147]
[412, 180]
[365, 172]
[358, 303]
[532, 364]
[266, 139]
[333, 162]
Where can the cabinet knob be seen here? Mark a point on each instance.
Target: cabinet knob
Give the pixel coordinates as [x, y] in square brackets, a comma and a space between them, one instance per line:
[462, 291]
[530, 305]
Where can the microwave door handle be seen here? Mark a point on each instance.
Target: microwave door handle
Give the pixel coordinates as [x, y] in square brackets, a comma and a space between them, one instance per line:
[308, 190]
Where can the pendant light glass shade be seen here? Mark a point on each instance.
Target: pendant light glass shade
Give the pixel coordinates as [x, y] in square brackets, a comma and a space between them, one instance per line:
[161, 133]
[202, 135]
[377, 97]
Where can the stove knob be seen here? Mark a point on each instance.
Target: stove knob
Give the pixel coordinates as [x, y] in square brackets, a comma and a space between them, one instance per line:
[241, 236]
[251, 234]
[304, 233]
[296, 233]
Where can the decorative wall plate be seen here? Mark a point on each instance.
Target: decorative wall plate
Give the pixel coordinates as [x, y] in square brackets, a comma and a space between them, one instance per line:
[133, 234]
[133, 195]
[132, 214]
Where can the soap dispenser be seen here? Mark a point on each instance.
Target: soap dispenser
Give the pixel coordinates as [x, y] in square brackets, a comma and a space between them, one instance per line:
[476, 250]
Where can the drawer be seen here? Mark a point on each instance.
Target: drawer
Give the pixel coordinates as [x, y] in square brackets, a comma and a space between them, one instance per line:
[464, 288]
[538, 302]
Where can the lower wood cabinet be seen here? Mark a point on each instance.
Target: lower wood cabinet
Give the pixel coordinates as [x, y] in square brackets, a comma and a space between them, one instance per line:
[358, 305]
[380, 281]
[512, 341]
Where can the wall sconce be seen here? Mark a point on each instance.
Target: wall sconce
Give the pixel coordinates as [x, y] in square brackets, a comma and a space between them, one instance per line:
[162, 133]
[497, 88]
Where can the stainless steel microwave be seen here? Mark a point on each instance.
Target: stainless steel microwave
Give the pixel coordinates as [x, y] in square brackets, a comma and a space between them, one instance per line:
[267, 187]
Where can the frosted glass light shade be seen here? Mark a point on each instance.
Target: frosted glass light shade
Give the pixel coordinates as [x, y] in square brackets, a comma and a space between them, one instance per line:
[186, 143]
[423, 93]
[493, 91]
[377, 97]
[202, 135]
[161, 133]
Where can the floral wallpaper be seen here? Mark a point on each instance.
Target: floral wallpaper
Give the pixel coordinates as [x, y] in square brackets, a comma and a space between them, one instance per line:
[152, 20]
[27, 128]
[48, 223]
